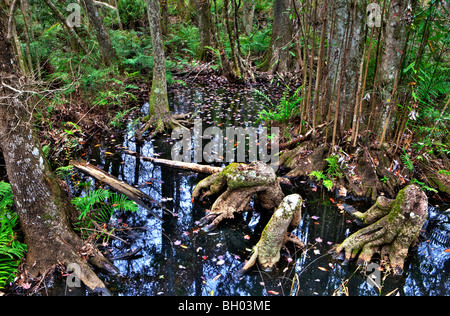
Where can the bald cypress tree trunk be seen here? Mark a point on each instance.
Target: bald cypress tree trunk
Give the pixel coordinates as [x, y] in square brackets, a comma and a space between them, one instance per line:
[104, 42]
[43, 209]
[278, 57]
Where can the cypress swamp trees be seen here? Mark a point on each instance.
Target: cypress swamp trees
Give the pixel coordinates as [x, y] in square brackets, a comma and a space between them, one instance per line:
[159, 117]
[278, 57]
[104, 42]
[346, 46]
[205, 29]
[391, 60]
[44, 211]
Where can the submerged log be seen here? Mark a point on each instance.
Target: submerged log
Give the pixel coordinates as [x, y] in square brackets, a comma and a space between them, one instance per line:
[394, 226]
[277, 233]
[189, 166]
[178, 164]
[134, 194]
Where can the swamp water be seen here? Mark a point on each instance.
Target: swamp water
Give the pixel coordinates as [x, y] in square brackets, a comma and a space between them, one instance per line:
[177, 258]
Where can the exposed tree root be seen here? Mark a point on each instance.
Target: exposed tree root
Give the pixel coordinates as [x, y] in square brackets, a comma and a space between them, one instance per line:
[237, 184]
[394, 226]
[159, 123]
[276, 234]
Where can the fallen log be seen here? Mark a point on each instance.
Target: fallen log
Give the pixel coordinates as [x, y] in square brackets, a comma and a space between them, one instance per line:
[194, 167]
[134, 194]
[178, 164]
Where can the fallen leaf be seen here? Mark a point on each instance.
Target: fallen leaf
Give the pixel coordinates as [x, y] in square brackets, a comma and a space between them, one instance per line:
[184, 247]
[273, 292]
[247, 237]
[217, 277]
[322, 269]
[319, 240]
[447, 250]
[332, 201]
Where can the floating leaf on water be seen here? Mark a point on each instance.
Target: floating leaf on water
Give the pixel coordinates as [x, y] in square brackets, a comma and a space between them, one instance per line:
[322, 269]
[447, 250]
[273, 292]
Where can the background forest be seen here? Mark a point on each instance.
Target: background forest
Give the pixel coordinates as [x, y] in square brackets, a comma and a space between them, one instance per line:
[360, 78]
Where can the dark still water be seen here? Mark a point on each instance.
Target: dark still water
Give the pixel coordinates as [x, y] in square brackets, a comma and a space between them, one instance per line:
[177, 258]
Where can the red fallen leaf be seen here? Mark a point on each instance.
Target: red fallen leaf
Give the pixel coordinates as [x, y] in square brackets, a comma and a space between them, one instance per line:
[322, 269]
[205, 257]
[332, 201]
[273, 292]
[447, 250]
[192, 201]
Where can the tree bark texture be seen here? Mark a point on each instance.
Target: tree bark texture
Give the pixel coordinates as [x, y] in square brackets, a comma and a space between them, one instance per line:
[278, 57]
[394, 226]
[205, 29]
[346, 40]
[104, 42]
[236, 185]
[44, 211]
[276, 233]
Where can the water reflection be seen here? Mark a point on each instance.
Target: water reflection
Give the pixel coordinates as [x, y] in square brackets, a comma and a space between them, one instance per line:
[179, 259]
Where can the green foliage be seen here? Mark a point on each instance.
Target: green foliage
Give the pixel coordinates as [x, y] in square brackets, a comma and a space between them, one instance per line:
[286, 109]
[427, 73]
[333, 171]
[407, 161]
[132, 12]
[11, 250]
[423, 186]
[99, 205]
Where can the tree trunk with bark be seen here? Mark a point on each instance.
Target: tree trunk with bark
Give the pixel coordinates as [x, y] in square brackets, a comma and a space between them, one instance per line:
[205, 29]
[278, 57]
[104, 42]
[394, 226]
[392, 55]
[44, 211]
[159, 117]
[346, 46]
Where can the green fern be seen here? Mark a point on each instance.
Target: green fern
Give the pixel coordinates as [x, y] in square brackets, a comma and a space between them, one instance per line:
[407, 161]
[286, 109]
[318, 175]
[11, 250]
[99, 205]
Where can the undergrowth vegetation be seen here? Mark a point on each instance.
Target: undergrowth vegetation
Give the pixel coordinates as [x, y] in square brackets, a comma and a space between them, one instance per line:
[12, 250]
